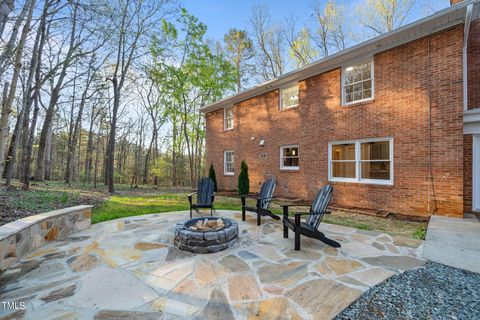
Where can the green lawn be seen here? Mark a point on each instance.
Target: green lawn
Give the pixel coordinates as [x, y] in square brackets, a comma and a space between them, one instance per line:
[120, 206]
[124, 205]
[47, 196]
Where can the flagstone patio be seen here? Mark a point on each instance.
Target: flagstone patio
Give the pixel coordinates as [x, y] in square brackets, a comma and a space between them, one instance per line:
[129, 268]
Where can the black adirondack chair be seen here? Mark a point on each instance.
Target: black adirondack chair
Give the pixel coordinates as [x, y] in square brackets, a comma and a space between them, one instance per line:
[205, 196]
[315, 215]
[263, 201]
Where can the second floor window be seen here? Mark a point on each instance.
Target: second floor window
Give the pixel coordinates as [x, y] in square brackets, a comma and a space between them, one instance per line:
[357, 82]
[289, 97]
[228, 118]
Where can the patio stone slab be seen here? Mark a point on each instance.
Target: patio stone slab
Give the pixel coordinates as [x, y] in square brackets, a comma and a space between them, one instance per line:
[217, 307]
[396, 262]
[145, 246]
[324, 303]
[59, 293]
[270, 309]
[407, 242]
[207, 272]
[247, 255]
[283, 274]
[99, 284]
[303, 254]
[334, 266]
[360, 249]
[83, 262]
[372, 277]
[123, 315]
[234, 263]
[243, 287]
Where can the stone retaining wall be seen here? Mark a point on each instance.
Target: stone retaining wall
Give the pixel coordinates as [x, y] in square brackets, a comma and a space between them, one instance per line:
[21, 237]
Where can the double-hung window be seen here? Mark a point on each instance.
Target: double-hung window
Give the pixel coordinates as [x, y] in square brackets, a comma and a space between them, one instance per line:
[228, 118]
[365, 161]
[289, 157]
[228, 163]
[289, 97]
[357, 82]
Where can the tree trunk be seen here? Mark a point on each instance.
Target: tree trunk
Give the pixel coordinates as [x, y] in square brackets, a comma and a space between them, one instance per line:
[96, 158]
[4, 126]
[41, 155]
[35, 67]
[112, 136]
[48, 154]
[89, 151]
[27, 152]
[71, 141]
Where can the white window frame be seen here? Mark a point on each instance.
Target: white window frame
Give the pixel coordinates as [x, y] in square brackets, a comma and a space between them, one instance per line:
[288, 86]
[225, 163]
[358, 162]
[225, 118]
[372, 72]
[291, 168]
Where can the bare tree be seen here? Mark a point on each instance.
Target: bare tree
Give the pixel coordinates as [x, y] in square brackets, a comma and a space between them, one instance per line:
[78, 36]
[239, 50]
[269, 41]
[301, 49]
[134, 20]
[330, 23]
[151, 98]
[93, 68]
[7, 108]
[381, 16]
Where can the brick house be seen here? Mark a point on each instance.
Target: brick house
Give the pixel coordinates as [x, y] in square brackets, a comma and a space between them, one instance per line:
[392, 123]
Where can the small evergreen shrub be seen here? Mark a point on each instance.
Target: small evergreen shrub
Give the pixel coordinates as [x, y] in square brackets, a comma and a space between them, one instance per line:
[243, 180]
[213, 176]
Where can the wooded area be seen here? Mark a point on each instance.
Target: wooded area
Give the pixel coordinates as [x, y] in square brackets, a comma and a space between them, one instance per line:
[106, 92]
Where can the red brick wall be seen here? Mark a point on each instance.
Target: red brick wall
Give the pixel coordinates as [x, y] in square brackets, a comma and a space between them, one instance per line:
[400, 110]
[474, 65]
[467, 172]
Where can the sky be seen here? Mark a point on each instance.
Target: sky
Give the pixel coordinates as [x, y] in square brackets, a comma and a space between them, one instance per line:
[221, 15]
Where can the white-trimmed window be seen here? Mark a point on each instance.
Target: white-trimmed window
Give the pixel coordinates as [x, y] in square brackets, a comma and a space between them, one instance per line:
[289, 157]
[289, 96]
[364, 161]
[357, 82]
[228, 162]
[228, 118]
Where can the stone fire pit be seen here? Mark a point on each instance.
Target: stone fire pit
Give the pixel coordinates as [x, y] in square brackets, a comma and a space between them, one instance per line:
[199, 241]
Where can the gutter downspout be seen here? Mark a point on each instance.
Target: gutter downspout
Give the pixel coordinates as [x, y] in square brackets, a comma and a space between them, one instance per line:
[468, 19]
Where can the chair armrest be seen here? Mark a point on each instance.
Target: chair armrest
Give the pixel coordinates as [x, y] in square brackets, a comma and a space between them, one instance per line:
[190, 197]
[328, 211]
[264, 198]
[302, 213]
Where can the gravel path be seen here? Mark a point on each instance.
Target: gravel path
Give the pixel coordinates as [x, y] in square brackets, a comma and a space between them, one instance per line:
[435, 292]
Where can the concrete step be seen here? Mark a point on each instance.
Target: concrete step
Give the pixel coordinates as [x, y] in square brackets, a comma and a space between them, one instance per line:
[454, 242]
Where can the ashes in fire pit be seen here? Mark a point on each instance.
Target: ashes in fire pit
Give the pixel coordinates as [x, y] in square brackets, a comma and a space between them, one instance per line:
[206, 235]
